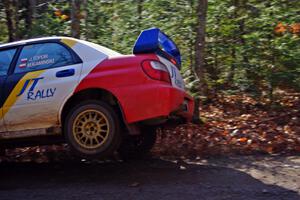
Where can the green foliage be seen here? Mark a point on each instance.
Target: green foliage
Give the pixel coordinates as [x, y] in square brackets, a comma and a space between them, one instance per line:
[242, 42]
[3, 27]
[242, 52]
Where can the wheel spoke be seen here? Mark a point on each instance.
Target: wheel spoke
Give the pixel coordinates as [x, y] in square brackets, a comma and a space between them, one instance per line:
[101, 119]
[90, 140]
[96, 140]
[101, 136]
[102, 124]
[80, 136]
[95, 117]
[91, 115]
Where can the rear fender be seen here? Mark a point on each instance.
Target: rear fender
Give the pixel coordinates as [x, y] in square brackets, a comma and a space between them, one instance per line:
[116, 75]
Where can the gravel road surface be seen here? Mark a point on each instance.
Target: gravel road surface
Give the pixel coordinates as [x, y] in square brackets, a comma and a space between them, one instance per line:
[246, 178]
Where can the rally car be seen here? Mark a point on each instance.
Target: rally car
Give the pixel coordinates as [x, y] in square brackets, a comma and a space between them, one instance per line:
[98, 101]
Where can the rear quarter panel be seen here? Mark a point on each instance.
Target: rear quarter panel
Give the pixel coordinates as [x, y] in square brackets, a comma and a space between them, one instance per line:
[125, 79]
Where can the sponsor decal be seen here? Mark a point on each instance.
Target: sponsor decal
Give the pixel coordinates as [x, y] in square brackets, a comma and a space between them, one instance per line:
[36, 61]
[32, 94]
[13, 96]
[41, 94]
[39, 60]
[178, 82]
[173, 72]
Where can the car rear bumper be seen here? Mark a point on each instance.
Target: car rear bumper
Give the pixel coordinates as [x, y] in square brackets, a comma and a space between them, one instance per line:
[150, 101]
[186, 109]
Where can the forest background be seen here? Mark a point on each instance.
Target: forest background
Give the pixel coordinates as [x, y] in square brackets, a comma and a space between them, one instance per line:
[240, 60]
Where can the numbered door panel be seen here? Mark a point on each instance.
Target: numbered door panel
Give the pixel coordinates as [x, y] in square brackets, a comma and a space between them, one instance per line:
[44, 76]
[6, 58]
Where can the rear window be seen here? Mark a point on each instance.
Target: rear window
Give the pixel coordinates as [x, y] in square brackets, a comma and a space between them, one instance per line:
[43, 56]
[6, 57]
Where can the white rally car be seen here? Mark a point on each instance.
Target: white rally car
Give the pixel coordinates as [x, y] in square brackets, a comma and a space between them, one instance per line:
[95, 97]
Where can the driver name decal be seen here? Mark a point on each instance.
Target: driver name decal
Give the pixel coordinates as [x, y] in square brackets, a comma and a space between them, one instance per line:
[40, 60]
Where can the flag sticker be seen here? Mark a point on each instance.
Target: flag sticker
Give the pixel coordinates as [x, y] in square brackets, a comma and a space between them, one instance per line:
[23, 63]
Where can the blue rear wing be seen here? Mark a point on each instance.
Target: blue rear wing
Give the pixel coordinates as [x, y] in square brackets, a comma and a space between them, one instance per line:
[155, 41]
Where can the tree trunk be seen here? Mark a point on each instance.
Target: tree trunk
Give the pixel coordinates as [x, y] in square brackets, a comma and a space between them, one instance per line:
[200, 50]
[139, 13]
[231, 74]
[11, 23]
[75, 18]
[200, 40]
[16, 5]
[140, 9]
[85, 20]
[191, 38]
[30, 14]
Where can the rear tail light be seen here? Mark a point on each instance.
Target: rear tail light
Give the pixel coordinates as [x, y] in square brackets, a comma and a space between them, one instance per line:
[156, 70]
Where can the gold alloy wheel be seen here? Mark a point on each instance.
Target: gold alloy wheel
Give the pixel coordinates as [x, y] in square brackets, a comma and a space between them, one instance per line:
[91, 129]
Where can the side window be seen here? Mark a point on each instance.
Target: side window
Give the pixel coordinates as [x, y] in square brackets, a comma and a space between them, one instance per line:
[43, 56]
[6, 56]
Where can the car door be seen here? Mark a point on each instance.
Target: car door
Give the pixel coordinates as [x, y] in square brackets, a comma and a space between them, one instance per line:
[2, 81]
[45, 74]
[6, 58]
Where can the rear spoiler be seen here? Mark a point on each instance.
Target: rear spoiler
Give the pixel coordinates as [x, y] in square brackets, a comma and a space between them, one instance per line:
[153, 40]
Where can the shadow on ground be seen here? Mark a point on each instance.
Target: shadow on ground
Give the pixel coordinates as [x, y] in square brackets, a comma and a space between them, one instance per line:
[148, 179]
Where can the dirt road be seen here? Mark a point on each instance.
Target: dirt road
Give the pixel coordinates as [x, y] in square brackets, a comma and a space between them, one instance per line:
[211, 179]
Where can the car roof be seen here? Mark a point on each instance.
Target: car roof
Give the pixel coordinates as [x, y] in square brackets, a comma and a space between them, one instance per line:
[41, 39]
[107, 51]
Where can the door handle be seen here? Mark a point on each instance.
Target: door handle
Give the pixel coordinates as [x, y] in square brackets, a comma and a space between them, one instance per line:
[65, 73]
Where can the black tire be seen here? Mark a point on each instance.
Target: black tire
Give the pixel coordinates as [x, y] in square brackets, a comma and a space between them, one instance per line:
[138, 146]
[74, 135]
